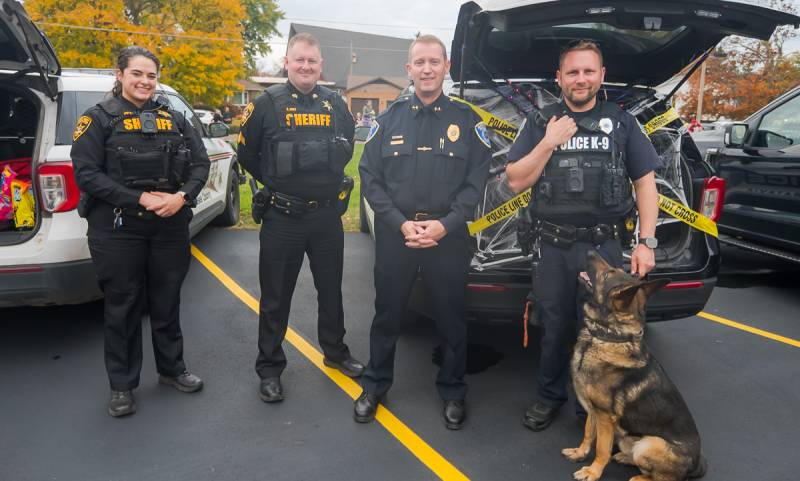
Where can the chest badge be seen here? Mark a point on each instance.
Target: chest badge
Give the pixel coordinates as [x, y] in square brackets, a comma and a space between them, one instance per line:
[453, 132]
[606, 125]
[326, 105]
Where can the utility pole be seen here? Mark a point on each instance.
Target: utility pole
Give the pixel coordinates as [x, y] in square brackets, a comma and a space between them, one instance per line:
[700, 89]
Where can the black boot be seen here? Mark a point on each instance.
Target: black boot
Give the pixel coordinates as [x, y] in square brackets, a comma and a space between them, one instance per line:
[121, 403]
[365, 407]
[271, 390]
[184, 382]
[455, 413]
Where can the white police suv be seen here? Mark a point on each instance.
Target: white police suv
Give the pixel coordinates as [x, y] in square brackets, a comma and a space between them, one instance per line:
[44, 257]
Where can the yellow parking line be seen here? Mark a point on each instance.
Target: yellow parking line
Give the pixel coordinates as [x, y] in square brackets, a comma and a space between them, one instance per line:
[418, 447]
[751, 330]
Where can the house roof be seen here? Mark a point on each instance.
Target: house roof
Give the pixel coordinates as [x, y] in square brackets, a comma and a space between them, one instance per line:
[250, 85]
[375, 55]
[355, 81]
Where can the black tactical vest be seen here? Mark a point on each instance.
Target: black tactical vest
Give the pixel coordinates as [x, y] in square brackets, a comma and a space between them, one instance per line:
[307, 140]
[157, 160]
[585, 180]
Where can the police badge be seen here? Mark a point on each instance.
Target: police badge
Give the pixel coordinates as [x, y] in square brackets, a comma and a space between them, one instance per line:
[453, 132]
[606, 125]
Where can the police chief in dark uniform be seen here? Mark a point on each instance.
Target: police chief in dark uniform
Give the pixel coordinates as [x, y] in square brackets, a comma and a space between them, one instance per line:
[580, 155]
[423, 171]
[139, 165]
[296, 139]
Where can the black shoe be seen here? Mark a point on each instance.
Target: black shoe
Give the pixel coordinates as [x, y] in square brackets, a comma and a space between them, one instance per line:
[365, 407]
[455, 413]
[350, 367]
[121, 403]
[183, 382]
[271, 390]
[539, 416]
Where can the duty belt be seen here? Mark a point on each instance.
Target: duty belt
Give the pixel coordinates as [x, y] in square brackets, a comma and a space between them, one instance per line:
[566, 235]
[297, 206]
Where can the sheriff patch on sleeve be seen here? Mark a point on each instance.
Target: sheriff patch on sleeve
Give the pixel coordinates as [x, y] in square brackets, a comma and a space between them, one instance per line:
[248, 111]
[483, 135]
[82, 126]
[373, 130]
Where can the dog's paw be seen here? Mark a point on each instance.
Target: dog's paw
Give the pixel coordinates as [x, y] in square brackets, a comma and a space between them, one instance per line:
[623, 458]
[587, 473]
[574, 454]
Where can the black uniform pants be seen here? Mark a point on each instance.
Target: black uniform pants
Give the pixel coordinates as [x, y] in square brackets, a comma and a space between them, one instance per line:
[284, 242]
[140, 268]
[444, 270]
[560, 296]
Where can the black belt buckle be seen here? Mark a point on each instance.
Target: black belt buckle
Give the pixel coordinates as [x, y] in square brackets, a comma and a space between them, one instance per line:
[420, 216]
[312, 205]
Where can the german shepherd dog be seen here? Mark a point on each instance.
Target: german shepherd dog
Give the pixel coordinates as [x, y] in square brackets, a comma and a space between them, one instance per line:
[624, 389]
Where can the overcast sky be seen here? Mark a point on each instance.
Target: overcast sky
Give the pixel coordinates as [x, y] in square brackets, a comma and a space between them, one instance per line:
[393, 18]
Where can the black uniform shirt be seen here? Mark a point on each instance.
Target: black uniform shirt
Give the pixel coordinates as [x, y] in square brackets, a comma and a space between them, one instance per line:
[432, 159]
[89, 156]
[260, 125]
[640, 155]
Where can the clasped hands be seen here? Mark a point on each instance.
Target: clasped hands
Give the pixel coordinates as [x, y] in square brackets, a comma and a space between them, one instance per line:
[422, 234]
[162, 203]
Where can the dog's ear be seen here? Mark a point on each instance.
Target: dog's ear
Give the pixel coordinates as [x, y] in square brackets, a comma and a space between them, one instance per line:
[650, 287]
[621, 298]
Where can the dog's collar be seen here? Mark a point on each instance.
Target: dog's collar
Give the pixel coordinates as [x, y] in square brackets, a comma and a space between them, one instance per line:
[607, 335]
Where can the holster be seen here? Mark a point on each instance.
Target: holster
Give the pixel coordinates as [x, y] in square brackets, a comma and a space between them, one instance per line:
[344, 194]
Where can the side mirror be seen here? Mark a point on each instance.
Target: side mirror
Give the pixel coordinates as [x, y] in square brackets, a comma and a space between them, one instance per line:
[735, 135]
[217, 130]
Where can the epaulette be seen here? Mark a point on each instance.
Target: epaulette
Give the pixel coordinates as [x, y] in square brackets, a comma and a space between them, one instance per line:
[112, 107]
[458, 104]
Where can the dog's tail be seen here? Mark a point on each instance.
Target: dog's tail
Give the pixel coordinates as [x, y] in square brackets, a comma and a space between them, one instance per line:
[700, 469]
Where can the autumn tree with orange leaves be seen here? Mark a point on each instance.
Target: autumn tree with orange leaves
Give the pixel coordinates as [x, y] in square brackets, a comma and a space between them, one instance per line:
[199, 42]
[744, 74]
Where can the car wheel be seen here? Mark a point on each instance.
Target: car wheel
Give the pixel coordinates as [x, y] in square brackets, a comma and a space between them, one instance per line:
[362, 216]
[230, 216]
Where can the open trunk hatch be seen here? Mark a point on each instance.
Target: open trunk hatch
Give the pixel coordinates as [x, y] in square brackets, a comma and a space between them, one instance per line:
[643, 42]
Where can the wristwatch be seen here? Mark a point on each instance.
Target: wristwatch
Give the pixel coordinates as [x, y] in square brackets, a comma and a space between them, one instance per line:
[650, 242]
[183, 194]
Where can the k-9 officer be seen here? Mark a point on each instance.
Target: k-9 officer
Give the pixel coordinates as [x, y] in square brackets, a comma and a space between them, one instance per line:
[423, 171]
[579, 156]
[296, 139]
[139, 165]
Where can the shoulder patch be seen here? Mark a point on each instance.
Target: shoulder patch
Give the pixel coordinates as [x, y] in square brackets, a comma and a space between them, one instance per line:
[373, 130]
[483, 134]
[81, 127]
[248, 111]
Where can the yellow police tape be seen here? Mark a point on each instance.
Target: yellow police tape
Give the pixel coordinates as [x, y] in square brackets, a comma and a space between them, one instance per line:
[505, 210]
[509, 131]
[675, 209]
[506, 129]
[660, 121]
[687, 215]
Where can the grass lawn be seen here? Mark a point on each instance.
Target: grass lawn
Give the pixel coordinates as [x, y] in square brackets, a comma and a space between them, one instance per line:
[350, 218]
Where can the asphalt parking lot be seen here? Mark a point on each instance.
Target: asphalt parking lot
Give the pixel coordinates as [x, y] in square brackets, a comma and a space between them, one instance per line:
[741, 387]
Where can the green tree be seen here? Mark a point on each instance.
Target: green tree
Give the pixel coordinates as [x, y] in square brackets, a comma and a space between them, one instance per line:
[259, 23]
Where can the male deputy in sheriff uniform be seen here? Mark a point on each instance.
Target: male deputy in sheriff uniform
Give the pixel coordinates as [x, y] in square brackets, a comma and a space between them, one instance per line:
[579, 155]
[423, 171]
[296, 139]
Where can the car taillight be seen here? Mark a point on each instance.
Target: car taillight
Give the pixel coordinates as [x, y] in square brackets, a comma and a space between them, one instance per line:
[57, 187]
[713, 197]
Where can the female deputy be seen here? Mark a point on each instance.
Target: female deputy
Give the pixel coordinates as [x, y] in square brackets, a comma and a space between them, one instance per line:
[139, 166]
